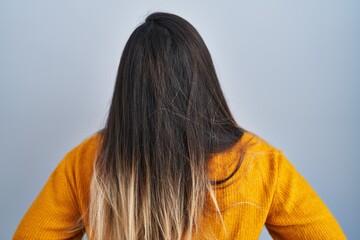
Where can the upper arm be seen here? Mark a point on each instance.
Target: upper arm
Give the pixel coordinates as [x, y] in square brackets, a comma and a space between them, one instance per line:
[55, 210]
[297, 212]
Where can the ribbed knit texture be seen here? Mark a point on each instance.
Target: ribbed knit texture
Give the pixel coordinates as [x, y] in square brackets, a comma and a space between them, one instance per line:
[266, 190]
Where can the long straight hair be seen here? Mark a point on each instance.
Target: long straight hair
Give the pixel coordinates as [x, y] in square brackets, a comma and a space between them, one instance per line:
[167, 116]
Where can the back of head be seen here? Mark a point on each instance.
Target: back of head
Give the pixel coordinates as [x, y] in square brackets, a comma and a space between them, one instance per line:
[167, 116]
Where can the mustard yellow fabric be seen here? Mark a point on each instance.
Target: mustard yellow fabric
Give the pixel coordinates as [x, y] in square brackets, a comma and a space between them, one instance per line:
[266, 191]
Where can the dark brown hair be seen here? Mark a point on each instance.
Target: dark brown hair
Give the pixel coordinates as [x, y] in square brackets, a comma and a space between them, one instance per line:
[167, 116]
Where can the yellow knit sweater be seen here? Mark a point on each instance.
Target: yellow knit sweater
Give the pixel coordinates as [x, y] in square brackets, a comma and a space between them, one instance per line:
[266, 190]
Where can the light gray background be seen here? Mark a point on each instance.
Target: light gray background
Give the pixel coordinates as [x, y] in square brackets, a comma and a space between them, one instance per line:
[290, 71]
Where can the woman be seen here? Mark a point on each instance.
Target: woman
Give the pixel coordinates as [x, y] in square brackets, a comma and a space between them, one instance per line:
[171, 162]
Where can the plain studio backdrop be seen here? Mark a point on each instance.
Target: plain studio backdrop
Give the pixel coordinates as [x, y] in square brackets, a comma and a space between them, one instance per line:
[289, 70]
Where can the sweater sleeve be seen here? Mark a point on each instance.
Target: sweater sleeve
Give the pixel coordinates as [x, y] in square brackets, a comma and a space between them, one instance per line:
[55, 211]
[297, 212]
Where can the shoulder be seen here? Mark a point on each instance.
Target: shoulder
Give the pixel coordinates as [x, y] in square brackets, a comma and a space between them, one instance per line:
[77, 165]
[81, 158]
[261, 161]
[254, 182]
[257, 145]
[88, 144]
[82, 153]
[252, 152]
